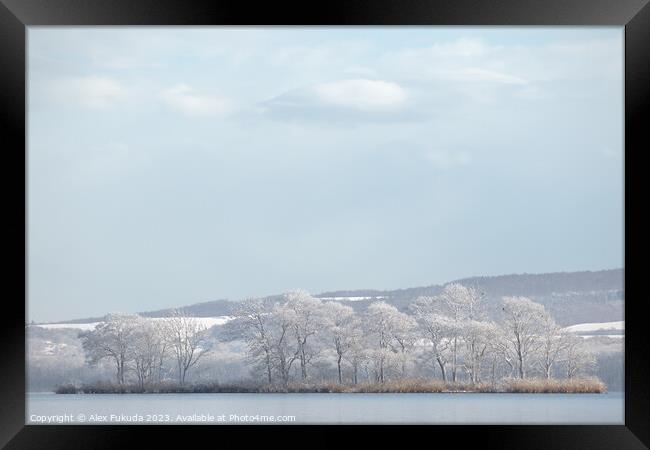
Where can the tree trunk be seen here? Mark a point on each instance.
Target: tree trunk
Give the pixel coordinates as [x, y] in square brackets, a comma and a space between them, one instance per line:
[268, 368]
[339, 367]
[494, 363]
[454, 360]
[303, 362]
[442, 369]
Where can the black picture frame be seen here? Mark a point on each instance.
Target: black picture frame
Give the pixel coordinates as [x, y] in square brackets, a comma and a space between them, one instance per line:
[16, 15]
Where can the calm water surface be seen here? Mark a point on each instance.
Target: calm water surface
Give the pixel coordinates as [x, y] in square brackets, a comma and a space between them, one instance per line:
[461, 408]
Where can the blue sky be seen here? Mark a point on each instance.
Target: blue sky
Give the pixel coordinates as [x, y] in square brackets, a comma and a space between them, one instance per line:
[169, 166]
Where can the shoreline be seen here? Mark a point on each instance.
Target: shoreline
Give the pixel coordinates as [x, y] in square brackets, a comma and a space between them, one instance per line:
[509, 386]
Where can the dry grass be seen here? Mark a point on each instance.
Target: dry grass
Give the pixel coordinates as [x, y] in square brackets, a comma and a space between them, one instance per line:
[564, 386]
[419, 386]
[413, 385]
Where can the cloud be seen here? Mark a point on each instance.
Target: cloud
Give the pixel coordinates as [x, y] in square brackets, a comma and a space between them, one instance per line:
[445, 160]
[186, 100]
[95, 92]
[350, 99]
[361, 94]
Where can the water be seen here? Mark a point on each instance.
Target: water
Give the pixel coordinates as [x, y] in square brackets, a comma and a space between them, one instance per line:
[460, 408]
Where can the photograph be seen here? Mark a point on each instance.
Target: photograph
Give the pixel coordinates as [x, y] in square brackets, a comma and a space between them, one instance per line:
[295, 225]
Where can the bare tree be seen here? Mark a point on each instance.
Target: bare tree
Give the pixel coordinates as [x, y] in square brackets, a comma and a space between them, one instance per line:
[577, 361]
[553, 342]
[187, 339]
[502, 353]
[434, 328]
[284, 354]
[477, 337]
[462, 303]
[160, 329]
[148, 351]
[358, 354]
[112, 339]
[523, 320]
[389, 327]
[254, 322]
[307, 320]
[403, 334]
[342, 329]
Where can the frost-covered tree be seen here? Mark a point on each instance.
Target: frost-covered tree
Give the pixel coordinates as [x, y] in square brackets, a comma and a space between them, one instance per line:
[388, 326]
[112, 339]
[404, 336]
[502, 355]
[254, 322]
[148, 351]
[306, 321]
[553, 342]
[461, 303]
[343, 331]
[358, 356]
[577, 360]
[435, 328]
[284, 351]
[523, 322]
[187, 338]
[477, 338]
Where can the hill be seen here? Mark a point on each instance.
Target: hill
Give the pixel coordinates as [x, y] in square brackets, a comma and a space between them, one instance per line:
[572, 297]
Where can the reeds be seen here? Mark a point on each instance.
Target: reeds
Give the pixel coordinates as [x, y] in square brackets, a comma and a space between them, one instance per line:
[411, 385]
[546, 386]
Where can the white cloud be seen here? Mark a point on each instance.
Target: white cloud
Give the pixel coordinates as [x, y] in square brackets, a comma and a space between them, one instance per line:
[361, 94]
[444, 160]
[344, 101]
[90, 92]
[187, 101]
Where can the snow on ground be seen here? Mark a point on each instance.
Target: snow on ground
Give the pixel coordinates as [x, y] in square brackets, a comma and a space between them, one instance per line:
[73, 326]
[205, 321]
[615, 336]
[350, 299]
[586, 327]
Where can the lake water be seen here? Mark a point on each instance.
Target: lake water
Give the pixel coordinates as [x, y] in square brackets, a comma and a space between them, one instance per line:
[457, 408]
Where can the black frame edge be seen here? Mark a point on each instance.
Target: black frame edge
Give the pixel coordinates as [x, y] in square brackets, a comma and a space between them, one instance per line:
[341, 12]
[637, 109]
[634, 14]
[12, 128]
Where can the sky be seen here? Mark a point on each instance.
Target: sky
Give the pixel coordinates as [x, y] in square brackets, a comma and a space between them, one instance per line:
[170, 166]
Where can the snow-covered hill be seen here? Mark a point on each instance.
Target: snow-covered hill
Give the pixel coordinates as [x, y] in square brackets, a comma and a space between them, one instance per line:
[598, 329]
[208, 322]
[597, 326]
[351, 299]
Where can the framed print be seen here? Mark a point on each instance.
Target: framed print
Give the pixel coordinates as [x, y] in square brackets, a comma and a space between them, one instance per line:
[410, 217]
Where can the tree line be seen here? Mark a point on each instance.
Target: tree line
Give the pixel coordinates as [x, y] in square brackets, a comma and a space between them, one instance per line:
[135, 344]
[302, 338]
